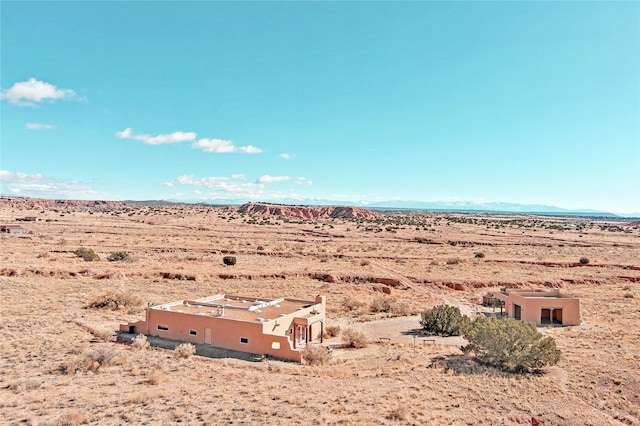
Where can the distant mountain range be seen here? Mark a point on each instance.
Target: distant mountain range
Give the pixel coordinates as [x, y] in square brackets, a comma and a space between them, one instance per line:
[453, 206]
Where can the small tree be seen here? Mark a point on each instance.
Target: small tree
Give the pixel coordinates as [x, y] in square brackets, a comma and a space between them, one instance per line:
[510, 344]
[444, 320]
[229, 260]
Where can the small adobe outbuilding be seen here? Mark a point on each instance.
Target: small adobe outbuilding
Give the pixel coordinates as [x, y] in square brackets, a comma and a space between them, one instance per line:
[543, 307]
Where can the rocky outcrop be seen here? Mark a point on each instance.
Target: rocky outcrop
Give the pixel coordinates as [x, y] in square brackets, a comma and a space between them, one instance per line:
[308, 212]
[39, 203]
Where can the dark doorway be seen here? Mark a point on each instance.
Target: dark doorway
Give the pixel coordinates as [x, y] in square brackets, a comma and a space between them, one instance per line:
[517, 311]
[557, 316]
[545, 316]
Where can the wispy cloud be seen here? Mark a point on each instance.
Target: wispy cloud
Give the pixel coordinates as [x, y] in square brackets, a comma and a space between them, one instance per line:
[218, 146]
[221, 146]
[174, 137]
[39, 186]
[303, 181]
[286, 156]
[38, 126]
[32, 92]
[272, 179]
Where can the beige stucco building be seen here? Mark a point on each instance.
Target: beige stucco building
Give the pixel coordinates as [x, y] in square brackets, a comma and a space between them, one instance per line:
[543, 307]
[275, 327]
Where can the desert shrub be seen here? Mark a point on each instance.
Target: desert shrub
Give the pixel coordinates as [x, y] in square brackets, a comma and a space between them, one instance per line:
[628, 296]
[155, 376]
[184, 350]
[364, 263]
[101, 356]
[115, 301]
[584, 260]
[380, 304]
[510, 344]
[229, 260]
[87, 254]
[260, 248]
[119, 256]
[140, 342]
[354, 339]
[399, 413]
[479, 255]
[315, 355]
[332, 330]
[453, 261]
[444, 320]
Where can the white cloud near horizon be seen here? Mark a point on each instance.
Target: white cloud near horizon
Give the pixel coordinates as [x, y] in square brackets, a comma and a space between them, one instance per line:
[175, 137]
[272, 179]
[32, 92]
[304, 181]
[286, 156]
[221, 146]
[39, 186]
[38, 126]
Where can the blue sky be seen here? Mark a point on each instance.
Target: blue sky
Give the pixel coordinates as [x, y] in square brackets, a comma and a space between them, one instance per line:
[524, 102]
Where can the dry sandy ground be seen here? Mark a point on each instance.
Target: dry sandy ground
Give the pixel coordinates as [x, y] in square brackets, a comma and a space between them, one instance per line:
[48, 333]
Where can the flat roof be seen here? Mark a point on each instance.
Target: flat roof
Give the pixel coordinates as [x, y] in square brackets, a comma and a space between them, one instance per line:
[238, 308]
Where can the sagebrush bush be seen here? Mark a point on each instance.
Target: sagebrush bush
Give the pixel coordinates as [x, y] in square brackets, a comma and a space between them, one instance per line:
[331, 330]
[119, 256]
[354, 339]
[140, 342]
[115, 301]
[444, 320]
[184, 350]
[509, 344]
[87, 254]
[315, 355]
[584, 260]
[229, 260]
[479, 255]
[453, 261]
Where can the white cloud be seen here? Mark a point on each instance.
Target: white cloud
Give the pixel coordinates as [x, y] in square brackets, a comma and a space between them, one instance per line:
[238, 176]
[303, 181]
[272, 179]
[39, 186]
[32, 92]
[169, 184]
[287, 156]
[37, 126]
[221, 146]
[174, 137]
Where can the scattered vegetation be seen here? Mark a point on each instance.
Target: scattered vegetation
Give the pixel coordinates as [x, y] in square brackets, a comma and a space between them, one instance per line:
[115, 301]
[510, 345]
[479, 255]
[331, 331]
[229, 260]
[444, 320]
[87, 254]
[354, 339]
[315, 355]
[584, 260]
[117, 256]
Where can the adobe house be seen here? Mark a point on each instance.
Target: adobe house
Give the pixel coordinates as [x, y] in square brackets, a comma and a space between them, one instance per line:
[541, 306]
[11, 229]
[275, 327]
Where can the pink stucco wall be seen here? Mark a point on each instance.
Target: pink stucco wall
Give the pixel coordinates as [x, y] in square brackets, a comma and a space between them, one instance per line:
[532, 303]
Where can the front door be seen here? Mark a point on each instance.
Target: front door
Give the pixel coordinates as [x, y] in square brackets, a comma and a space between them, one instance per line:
[207, 336]
[302, 335]
[517, 311]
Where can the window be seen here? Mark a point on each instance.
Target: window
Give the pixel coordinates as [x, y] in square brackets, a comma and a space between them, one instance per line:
[162, 327]
[193, 332]
[244, 340]
[275, 345]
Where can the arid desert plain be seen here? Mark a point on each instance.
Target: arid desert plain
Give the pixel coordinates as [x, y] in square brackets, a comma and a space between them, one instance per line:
[61, 363]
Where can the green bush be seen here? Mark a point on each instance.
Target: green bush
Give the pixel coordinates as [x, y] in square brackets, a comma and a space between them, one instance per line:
[444, 320]
[87, 254]
[229, 260]
[510, 344]
[584, 260]
[118, 256]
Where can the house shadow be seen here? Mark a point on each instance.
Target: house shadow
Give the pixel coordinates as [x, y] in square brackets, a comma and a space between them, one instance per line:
[207, 351]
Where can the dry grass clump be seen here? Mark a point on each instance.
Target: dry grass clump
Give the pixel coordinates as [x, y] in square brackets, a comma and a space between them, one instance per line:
[115, 301]
[156, 376]
[389, 305]
[399, 413]
[315, 355]
[72, 418]
[102, 356]
[354, 339]
[24, 385]
[140, 342]
[184, 350]
[331, 331]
